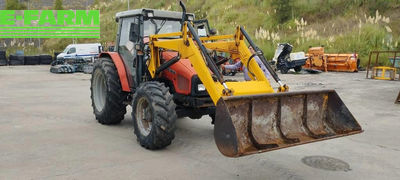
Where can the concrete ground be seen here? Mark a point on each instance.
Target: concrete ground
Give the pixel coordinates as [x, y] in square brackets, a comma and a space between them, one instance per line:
[48, 131]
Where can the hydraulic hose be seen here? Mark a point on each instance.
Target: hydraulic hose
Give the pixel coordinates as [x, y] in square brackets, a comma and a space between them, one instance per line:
[260, 54]
[211, 64]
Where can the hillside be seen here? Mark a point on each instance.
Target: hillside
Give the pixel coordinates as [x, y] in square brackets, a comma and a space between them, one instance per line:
[340, 25]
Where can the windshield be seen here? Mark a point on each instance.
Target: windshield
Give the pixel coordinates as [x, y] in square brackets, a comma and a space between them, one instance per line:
[278, 52]
[66, 50]
[160, 26]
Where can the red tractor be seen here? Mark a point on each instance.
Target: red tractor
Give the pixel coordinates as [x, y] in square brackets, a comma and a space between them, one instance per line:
[179, 91]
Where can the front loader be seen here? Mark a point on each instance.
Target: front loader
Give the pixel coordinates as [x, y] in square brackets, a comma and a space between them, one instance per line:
[164, 69]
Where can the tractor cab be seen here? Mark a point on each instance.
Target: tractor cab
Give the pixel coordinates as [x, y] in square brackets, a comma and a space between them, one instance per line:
[135, 29]
[136, 26]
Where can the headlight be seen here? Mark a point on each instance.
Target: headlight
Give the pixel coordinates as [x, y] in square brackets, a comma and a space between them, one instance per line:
[201, 87]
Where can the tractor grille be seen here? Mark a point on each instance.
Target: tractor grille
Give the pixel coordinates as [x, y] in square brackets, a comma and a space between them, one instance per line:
[183, 83]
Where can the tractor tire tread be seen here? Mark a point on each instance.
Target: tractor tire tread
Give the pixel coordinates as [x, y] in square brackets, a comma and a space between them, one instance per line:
[164, 116]
[114, 109]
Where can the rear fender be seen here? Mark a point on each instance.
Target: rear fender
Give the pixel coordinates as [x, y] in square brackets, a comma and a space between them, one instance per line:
[122, 71]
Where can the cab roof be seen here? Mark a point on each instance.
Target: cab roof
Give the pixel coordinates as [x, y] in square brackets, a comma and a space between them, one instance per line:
[157, 13]
[84, 44]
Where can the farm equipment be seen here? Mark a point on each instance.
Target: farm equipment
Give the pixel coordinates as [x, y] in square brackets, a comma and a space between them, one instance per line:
[383, 72]
[71, 65]
[164, 70]
[284, 60]
[317, 59]
[380, 72]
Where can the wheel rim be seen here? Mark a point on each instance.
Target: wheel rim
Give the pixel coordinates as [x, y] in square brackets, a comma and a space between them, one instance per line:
[99, 90]
[143, 116]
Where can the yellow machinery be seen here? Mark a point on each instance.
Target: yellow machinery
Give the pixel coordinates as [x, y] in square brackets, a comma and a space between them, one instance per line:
[250, 116]
[379, 72]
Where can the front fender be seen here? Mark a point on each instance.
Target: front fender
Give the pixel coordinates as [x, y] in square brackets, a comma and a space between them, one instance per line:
[119, 64]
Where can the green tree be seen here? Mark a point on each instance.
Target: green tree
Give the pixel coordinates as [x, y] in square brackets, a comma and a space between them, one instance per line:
[283, 10]
[14, 5]
[58, 5]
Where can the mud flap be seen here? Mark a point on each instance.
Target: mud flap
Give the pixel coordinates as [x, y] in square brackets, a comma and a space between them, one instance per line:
[258, 123]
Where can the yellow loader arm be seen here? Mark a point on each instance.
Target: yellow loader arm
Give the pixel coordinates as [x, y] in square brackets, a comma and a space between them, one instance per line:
[189, 49]
[250, 116]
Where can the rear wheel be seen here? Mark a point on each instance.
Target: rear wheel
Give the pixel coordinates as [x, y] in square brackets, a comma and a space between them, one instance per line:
[284, 69]
[297, 69]
[224, 72]
[154, 116]
[106, 93]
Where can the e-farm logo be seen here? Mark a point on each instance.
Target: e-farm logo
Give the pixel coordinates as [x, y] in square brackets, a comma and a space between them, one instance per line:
[49, 24]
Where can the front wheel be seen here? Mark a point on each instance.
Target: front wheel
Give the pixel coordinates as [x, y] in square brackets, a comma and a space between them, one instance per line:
[297, 69]
[106, 93]
[284, 69]
[224, 72]
[154, 116]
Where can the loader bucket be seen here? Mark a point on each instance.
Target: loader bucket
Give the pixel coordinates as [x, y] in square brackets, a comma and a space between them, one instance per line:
[258, 123]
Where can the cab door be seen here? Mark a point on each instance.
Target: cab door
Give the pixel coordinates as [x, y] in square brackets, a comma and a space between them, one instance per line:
[126, 48]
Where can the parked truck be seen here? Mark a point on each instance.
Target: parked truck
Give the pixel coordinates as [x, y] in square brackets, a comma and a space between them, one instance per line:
[284, 60]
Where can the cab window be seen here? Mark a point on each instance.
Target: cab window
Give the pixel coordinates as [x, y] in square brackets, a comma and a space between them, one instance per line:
[125, 46]
[161, 26]
[71, 50]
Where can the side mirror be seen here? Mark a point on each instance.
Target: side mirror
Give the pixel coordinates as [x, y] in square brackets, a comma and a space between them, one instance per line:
[134, 32]
[213, 31]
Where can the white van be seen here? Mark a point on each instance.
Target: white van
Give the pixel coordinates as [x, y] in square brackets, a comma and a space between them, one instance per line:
[85, 51]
